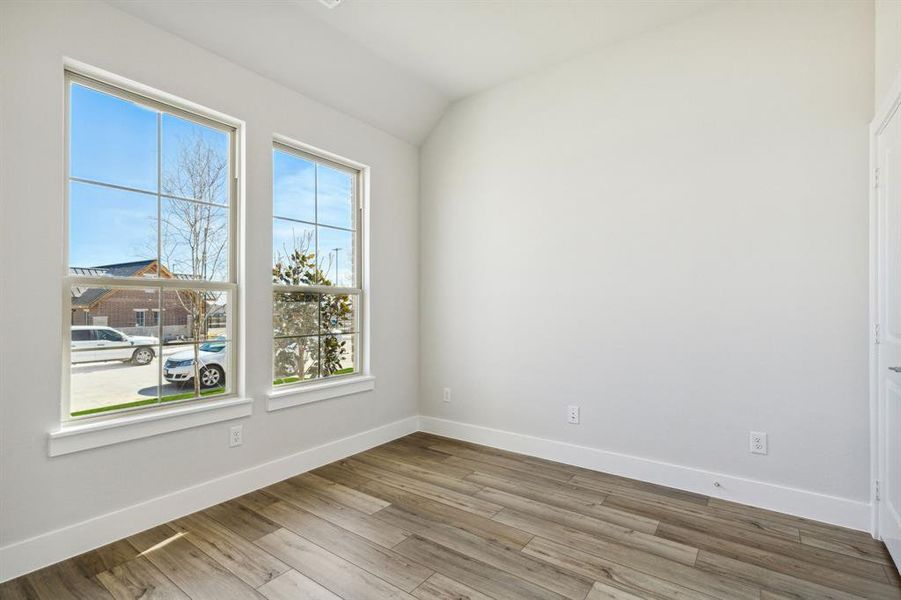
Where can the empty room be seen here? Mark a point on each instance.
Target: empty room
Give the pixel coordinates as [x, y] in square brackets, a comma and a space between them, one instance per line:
[450, 299]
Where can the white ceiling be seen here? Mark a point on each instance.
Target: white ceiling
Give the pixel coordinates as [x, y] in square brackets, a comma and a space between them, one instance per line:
[466, 46]
[397, 64]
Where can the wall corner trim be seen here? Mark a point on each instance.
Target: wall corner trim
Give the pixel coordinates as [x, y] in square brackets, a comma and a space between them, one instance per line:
[45, 549]
[844, 512]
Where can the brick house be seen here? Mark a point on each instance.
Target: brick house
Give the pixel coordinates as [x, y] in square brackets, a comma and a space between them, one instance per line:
[131, 311]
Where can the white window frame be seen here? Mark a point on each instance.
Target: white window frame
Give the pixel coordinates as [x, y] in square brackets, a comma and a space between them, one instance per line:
[314, 390]
[68, 437]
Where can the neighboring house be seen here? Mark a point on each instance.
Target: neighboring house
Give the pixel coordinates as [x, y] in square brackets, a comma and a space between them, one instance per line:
[134, 312]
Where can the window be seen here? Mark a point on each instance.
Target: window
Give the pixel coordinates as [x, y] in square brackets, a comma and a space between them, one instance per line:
[151, 200]
[317, 290]
[81, 335]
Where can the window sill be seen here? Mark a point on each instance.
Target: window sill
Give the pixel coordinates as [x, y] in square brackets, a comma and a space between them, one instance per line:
[75, 437]
[315, 392]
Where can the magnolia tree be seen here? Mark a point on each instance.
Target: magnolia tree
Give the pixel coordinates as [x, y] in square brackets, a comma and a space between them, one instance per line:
[298, 314]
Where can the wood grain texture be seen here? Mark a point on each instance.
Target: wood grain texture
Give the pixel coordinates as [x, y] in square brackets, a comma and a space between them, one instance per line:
[329, 570]
[295, 586]
[139, 579]
[439, 587]
[432, 518]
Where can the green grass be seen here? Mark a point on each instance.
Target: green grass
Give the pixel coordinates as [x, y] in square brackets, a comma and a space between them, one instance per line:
[285, 380]
[146, 402]
[185, 396]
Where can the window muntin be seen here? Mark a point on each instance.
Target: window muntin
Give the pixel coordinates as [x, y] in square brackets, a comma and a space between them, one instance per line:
[151, 251]
[317, 288]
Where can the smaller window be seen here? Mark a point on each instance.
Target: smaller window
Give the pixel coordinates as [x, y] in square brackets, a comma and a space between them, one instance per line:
[316, 270]
[140, 317]
[109, 335]
[81, 335]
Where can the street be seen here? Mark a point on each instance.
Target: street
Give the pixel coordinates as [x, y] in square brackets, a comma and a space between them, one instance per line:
[101, 384]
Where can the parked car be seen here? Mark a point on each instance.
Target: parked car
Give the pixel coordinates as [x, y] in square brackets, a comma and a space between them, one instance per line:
[179, 368]
[94, 343]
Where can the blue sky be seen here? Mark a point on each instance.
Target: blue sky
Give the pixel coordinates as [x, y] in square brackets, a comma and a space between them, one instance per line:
[295, 181]
[114, 141]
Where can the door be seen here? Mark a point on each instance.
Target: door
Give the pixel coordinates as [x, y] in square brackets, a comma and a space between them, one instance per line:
[888, 335]
[112, 345]
[82, 344]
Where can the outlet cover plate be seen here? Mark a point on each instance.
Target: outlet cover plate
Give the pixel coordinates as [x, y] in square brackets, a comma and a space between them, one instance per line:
[758, 443]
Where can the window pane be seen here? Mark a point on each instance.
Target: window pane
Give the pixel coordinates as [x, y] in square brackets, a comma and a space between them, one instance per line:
[295, 359]
[293, 253]
[337, 355]
[113, 360]
[112, 140]
[114, 307]
[295, 313]
[111, 230]
[195, 316]
[335, 198]
[294, 187]
[338, 313]
[194, 240]
[195, 160]
[336, 256]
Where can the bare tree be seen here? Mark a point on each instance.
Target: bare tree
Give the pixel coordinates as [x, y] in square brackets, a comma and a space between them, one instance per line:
[194, 230]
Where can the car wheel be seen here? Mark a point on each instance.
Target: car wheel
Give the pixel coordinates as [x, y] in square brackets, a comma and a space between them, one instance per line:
[142, 356]
[212, 376]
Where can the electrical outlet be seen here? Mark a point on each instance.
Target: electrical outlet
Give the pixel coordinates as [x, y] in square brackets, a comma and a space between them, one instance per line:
[447, 396]
[572, 415]
[758, 442]
[236, 436]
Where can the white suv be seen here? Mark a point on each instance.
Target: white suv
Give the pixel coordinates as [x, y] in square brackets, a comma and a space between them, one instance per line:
[91, 343]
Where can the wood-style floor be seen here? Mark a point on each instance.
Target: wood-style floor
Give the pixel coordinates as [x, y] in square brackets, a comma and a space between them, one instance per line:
[431, 518]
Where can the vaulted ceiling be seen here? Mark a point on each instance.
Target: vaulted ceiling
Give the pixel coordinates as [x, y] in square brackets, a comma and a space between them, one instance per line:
[397, 64]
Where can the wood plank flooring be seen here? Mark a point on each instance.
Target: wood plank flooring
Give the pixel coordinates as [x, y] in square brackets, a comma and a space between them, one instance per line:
[430, 518]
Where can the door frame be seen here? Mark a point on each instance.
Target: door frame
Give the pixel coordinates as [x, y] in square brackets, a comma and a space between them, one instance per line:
[888, 106]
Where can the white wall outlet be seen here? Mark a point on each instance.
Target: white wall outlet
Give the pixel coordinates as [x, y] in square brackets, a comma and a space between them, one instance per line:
[447, 396]
[236, 436]
[572, 414]
[758, 442]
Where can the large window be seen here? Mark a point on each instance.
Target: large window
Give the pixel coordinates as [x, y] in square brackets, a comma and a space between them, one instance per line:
[151, 192]
[317, 291]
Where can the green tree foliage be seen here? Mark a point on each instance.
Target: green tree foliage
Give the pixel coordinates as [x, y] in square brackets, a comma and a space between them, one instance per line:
[296, 314]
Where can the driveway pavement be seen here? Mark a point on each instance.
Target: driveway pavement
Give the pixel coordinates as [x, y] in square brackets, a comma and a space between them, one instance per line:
[107, 383]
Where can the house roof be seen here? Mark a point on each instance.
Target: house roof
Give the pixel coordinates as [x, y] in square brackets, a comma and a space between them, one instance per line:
[86, 295]
[83, 296]
[128, 269]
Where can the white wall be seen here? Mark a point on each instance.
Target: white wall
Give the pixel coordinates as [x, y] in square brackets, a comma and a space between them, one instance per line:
[888, 46]
[671, 233]
[41, 494]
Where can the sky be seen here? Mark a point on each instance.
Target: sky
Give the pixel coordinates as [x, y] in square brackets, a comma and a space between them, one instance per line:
[116, 141]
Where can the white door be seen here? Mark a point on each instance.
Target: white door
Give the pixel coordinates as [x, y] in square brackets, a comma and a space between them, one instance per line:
[888, 348]
[82, 345]
[112, 345]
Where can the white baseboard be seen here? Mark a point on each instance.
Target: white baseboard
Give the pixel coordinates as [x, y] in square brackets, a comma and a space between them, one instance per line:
[802, 503]
[28, 555]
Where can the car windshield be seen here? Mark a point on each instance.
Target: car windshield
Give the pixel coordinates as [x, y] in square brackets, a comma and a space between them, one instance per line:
[212, 346]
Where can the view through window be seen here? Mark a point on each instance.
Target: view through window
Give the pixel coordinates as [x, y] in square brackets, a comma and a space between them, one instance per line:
[151, 252]
[316, 268]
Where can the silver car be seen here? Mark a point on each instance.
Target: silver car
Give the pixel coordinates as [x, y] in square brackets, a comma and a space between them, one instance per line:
[212, 356]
